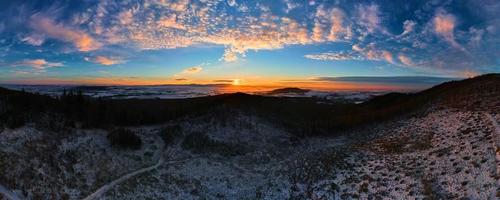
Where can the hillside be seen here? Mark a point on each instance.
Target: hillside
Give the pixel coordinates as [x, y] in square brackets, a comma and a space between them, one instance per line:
[441, 143]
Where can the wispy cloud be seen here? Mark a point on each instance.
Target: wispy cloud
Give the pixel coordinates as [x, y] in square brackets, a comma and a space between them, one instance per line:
[193, 70]
[223, 81]
[369, 18]
[335, 56]
[406, 60]
[38, 64]
[388, 79]
[103, 60]
[34, 39]
[408, 27]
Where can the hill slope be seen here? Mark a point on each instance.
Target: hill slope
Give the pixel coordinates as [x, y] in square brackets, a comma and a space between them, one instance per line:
[240, 146]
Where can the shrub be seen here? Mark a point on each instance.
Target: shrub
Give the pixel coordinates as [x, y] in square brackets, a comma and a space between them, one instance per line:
[124, 138]
[53, 122]
[200, 143]
[15, 121]
[170, 133]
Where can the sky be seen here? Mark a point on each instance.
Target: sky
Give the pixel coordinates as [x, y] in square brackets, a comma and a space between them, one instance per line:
[245, 42]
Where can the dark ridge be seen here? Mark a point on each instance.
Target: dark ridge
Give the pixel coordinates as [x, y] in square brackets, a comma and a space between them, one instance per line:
[292, 90]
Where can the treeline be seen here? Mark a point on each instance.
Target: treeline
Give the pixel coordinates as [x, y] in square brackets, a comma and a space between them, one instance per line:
[18, 107]
[300, 116]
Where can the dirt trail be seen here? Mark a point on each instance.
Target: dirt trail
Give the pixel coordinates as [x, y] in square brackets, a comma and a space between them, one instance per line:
[123, 178]
[102, 190]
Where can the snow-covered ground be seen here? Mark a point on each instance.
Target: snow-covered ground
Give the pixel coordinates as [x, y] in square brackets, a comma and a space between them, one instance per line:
[7, 194]
[443, 154]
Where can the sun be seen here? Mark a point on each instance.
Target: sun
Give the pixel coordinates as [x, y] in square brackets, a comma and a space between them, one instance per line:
[236, 82]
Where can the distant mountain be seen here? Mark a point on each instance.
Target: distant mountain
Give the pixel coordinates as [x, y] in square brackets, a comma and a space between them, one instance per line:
[289, 90]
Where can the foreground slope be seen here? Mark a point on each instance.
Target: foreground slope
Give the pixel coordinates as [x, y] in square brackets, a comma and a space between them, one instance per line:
[439, 143]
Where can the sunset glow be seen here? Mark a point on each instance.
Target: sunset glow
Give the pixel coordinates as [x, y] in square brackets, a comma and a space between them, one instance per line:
[251, 43]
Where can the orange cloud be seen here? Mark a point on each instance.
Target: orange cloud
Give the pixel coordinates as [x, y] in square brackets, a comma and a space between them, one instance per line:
[171, 22]
[387, 56]
[406, 60]
[81, 40]
[444, 25]
[338, 30]
[317, 34]
[193, 70]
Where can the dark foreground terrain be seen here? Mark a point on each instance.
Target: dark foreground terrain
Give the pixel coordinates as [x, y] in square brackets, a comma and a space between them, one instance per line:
[441, 143]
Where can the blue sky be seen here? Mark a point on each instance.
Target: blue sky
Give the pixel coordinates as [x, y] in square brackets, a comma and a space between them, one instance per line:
[255, 42]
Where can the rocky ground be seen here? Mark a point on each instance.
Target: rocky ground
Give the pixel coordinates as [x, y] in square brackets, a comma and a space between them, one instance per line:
[442, 154]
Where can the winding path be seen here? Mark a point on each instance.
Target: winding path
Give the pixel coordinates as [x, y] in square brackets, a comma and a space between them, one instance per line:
[8, 194]
[125, 177]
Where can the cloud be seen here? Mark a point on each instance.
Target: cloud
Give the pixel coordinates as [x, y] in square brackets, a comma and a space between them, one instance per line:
[318, 33]
[21, 72]
[338, 29]
[387, 56]
[103, 60]
[406, 60]
[372, 52]
[408, 27]
[38, 64]
[368, 17]
[244, 26]
[34, 39]
[444, 26]
[336, 56]
[232, 3]
[202, 25]
[193, 70]
[179, 5]
[290, 5]
[411, 80]
[126, 17]
[171, 22]
[320, 20]
[175, 5]
[230, 55]
[223, 81]
[46, 26]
